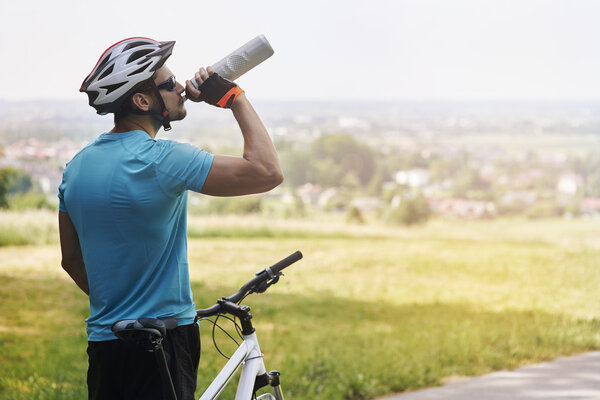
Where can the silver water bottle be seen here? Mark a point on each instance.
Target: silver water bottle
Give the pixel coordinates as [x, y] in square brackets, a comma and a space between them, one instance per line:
[243, 59]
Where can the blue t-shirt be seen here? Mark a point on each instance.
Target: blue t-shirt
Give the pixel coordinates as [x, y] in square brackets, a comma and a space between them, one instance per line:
[126, 195]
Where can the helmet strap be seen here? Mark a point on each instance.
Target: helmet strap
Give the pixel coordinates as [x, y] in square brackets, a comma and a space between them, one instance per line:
[161, 116]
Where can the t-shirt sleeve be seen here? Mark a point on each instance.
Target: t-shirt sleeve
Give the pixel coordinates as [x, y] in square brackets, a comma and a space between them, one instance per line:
[187, 166]
[61, 197]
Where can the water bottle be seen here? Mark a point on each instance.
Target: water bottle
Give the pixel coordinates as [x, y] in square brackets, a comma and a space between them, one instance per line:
[243, 59]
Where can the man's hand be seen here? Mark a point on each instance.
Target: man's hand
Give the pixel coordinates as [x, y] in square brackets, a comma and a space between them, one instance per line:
[191, 92]
[212, 89]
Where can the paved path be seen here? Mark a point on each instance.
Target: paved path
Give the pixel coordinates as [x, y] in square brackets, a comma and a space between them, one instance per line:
[572, 378]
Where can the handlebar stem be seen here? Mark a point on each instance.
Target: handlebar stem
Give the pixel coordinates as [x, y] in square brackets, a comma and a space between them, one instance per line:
[240, 311]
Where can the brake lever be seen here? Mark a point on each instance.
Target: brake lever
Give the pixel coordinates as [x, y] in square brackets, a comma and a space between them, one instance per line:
[263, 286]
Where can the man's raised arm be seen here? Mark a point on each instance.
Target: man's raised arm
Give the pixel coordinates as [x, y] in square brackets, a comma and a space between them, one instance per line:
[258, 170]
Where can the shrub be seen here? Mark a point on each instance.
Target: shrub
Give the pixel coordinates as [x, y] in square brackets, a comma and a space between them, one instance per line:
[355, 216]
[32, 227]
[12, 181]
[544, 210]
[226, 205]
[410, 211]
[30, 200]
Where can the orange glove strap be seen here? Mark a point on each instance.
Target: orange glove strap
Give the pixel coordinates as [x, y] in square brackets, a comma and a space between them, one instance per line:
[229, 98]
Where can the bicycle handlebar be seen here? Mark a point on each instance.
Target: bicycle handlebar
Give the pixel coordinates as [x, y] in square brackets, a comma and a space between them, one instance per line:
[263, 279]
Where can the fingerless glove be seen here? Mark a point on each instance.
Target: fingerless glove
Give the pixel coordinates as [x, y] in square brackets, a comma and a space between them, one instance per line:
[219, 92]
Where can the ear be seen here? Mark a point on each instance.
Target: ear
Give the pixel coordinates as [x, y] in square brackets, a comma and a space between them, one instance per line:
[141, 101]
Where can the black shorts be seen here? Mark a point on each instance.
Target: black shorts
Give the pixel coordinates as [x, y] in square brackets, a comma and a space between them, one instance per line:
[121, 371]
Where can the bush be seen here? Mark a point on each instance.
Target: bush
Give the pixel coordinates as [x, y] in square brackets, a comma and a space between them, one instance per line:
[30, 200]
[32, 227]
[226, 205]
[338, 202]
[410, 211]
[355, 216]
[544, 210]
[12, 181]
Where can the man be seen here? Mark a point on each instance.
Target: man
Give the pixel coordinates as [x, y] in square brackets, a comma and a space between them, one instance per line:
[123, 207]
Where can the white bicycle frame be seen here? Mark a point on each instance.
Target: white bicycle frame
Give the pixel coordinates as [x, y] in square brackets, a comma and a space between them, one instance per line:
[248, 355]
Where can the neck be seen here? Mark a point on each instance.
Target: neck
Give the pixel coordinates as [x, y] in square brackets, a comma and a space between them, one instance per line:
[137, 123]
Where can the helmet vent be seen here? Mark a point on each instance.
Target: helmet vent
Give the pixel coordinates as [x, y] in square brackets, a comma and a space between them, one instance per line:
[103, 62]
[108, 71]
[139, 54]
[112, 88]
[139, 70]
[134, 44]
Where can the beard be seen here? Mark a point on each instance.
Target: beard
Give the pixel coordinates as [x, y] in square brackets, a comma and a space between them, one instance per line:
[179, 113]
[175, 113]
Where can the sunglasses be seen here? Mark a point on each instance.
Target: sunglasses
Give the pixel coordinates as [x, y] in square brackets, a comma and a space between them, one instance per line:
[168, 85]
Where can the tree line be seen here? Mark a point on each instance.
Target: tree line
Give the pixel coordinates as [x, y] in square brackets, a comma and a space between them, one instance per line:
[356, 169]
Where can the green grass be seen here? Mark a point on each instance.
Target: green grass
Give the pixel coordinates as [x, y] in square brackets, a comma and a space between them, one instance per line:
[28, 227]
[368, 311]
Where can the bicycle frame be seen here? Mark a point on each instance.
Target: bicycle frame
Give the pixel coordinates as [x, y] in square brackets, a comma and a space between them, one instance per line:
[248, 354]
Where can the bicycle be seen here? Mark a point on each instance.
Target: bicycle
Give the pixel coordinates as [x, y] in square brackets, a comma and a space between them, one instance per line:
[150, 332]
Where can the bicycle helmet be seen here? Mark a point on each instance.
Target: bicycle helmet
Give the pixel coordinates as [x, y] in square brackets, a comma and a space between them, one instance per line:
[121, 69]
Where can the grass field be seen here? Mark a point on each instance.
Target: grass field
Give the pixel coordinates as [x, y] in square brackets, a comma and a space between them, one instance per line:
[370, 310]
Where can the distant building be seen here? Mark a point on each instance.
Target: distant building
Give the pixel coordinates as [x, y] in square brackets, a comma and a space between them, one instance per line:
[309, 193]
[413, 178]
[367, 204]
[519, 197]
[326, 196]
[349, 122]
[569, 183]
[463, 208]
[590, 207]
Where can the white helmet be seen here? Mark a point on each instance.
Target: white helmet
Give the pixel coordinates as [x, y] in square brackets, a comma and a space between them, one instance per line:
[121, 68]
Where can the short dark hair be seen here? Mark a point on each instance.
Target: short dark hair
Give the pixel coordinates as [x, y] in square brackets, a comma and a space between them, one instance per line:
[145, 87]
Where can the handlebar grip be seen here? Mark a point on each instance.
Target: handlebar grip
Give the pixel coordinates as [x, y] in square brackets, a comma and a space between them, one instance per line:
[286, 262]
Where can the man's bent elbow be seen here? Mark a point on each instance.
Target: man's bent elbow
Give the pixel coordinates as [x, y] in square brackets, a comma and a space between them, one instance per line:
[274, 179]
[67, 266]
[72, 265]
[278, 179]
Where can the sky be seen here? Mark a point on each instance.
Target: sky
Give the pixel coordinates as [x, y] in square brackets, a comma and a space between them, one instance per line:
[324, 50]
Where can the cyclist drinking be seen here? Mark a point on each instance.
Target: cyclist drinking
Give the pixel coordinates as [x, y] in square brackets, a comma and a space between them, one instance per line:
[123, 210]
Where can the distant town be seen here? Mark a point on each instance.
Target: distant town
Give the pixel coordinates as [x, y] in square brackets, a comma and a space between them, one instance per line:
[397, 161]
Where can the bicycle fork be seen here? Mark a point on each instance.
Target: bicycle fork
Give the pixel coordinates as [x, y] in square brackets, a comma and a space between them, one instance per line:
[274, 381]
[271, 379]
